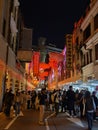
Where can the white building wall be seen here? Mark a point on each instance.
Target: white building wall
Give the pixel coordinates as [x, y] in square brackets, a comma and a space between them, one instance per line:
[96, 71]
[92, 68]
[88, 71]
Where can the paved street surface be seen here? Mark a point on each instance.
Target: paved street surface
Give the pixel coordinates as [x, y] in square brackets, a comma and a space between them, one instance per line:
[28, 120]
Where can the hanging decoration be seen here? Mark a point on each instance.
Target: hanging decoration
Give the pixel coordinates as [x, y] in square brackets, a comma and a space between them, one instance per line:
[36, 60]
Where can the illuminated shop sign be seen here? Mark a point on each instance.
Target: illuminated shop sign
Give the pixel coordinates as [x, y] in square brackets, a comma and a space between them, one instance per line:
[69, 51]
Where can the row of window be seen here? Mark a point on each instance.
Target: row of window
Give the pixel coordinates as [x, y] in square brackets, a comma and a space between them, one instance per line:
[87, 58]
[87, 31]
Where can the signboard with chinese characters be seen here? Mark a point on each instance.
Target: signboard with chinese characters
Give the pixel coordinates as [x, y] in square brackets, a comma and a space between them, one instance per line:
[69, 51]
[24, 55]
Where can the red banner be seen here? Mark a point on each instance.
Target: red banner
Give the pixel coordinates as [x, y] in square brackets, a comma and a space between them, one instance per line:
[58, 57]
[36, 59]
[55, 58]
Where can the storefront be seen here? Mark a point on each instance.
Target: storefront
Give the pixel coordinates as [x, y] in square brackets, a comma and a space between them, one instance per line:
[14, 80]
[2, 72]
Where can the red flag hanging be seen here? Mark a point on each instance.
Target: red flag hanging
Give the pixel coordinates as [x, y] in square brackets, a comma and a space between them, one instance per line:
[36, 59]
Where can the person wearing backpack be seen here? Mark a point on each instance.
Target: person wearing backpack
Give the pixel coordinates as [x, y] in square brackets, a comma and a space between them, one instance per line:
[89, 109]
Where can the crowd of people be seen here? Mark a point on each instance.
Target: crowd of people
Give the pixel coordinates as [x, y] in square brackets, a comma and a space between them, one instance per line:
[82, 104]
[17, 102]
[75, 103]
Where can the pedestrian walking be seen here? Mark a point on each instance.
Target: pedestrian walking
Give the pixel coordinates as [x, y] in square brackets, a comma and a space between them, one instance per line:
[42, 99]
[17, 101]
[80, 103]
[28, 98]
[37, 101]
[96, 104]
[89, 109]
[8, 102]
[64, 102]
[56, 102]
[50, 102]
[70, 96]
[33, 97]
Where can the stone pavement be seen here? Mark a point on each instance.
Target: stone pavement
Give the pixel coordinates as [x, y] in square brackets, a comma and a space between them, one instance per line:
[4, 120]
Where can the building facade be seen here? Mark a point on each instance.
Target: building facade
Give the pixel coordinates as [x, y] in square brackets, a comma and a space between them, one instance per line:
[10, 72]
[84, 47]
[89, 28]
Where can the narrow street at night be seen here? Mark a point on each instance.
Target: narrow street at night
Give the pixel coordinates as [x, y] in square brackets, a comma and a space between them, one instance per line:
[48, 65]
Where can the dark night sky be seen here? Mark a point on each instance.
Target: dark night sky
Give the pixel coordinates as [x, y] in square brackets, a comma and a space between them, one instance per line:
[52, 18]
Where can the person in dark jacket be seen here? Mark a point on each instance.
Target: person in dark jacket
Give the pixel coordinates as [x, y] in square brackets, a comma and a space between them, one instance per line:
[64, 102]
[42, 99]
[70, 95]
[96, 103]
[80, 99]
[8, 102]
[89, 109]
